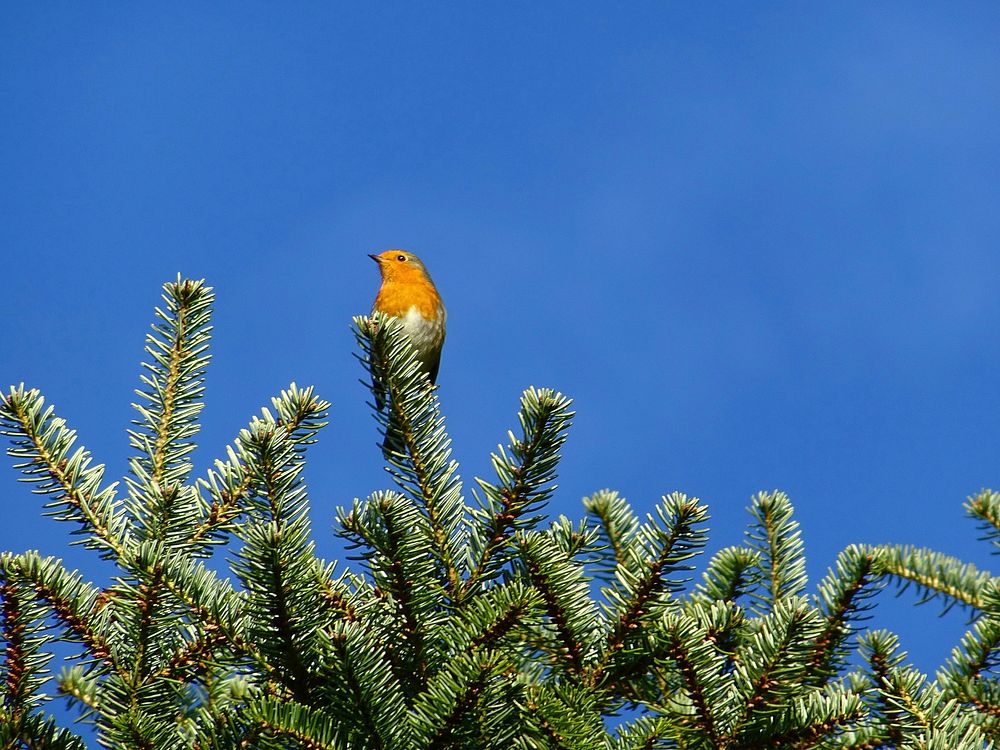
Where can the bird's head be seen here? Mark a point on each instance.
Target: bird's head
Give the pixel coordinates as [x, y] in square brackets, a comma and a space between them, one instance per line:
[400, 266]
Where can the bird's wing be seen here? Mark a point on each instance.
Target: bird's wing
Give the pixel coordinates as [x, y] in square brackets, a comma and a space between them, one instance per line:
[432, 371]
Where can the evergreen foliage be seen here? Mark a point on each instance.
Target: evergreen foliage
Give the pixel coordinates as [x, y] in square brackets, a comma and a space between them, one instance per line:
[466, 624]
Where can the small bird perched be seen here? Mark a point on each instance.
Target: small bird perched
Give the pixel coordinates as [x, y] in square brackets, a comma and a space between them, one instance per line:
[408, 294]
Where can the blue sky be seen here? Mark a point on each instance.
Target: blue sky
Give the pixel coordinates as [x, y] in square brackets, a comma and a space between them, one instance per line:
[759, 244]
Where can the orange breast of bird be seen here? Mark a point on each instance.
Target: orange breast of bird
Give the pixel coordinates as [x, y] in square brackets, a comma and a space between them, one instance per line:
[397, 297]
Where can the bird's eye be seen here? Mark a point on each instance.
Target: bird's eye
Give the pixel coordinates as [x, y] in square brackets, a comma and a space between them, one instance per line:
[400, 258]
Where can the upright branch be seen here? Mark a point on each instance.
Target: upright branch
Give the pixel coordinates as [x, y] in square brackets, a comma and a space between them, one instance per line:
[22, 626]
[526, 470]
[169, 406]
[653, 569]
[775, 536]
[571, 618]
[618, 527]
[299, 414]
[844, 598]
[423, 469]
[277, 561]
[393, 536]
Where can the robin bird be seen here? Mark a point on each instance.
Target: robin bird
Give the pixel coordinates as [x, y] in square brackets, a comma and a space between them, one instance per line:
[408, 294]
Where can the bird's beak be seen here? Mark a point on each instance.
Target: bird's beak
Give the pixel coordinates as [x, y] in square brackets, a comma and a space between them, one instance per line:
[376, 259]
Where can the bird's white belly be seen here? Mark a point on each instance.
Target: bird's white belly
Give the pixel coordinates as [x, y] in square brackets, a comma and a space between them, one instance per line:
[425, 335]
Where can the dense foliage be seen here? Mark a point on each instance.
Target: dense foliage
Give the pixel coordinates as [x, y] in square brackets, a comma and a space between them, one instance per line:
[468, 624]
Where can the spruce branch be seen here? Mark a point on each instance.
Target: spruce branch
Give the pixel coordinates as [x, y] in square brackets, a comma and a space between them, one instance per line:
[844, 599]
[970, 676]
[663, 546]
[395, 536]
[495, 615]
[985, 507]
[44, 448]
[775, 536]
[731, 574]
[702, 696]
[618, 527]
[572, 619]
[464, 627]
[276, 564]
[36, 731]
[208, 600]
[526, 470]
[468, 703]
[305, 727]
[334, 591]
[363, 690]
[648, 732]
[170, 403]
[78, 606]
[423, 469]
[564, 715]
[22, 627]
[897, 703]
[773, 662]
[806, 722]
[935, 575]
[300, 414]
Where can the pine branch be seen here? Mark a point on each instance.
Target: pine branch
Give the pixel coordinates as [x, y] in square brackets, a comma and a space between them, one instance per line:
[396, 536]
[567, 603]
[525, 470]
[662, 548]
[935, 575]
[36, 731]
[43, 446]
[843, 600]
[276, 564]
[22, 627]
[168, 415]
[300, 414]
[986, 508]
[731, 574]
[775, 536]
[619, 528]
[423, 470]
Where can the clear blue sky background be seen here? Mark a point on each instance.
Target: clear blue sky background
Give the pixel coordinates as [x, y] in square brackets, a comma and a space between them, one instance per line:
[759, 244]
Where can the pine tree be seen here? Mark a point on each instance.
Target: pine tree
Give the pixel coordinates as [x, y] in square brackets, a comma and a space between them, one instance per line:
[468, 623]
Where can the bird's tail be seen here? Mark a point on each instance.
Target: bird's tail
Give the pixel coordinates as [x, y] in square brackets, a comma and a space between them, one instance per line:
[393, 444]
